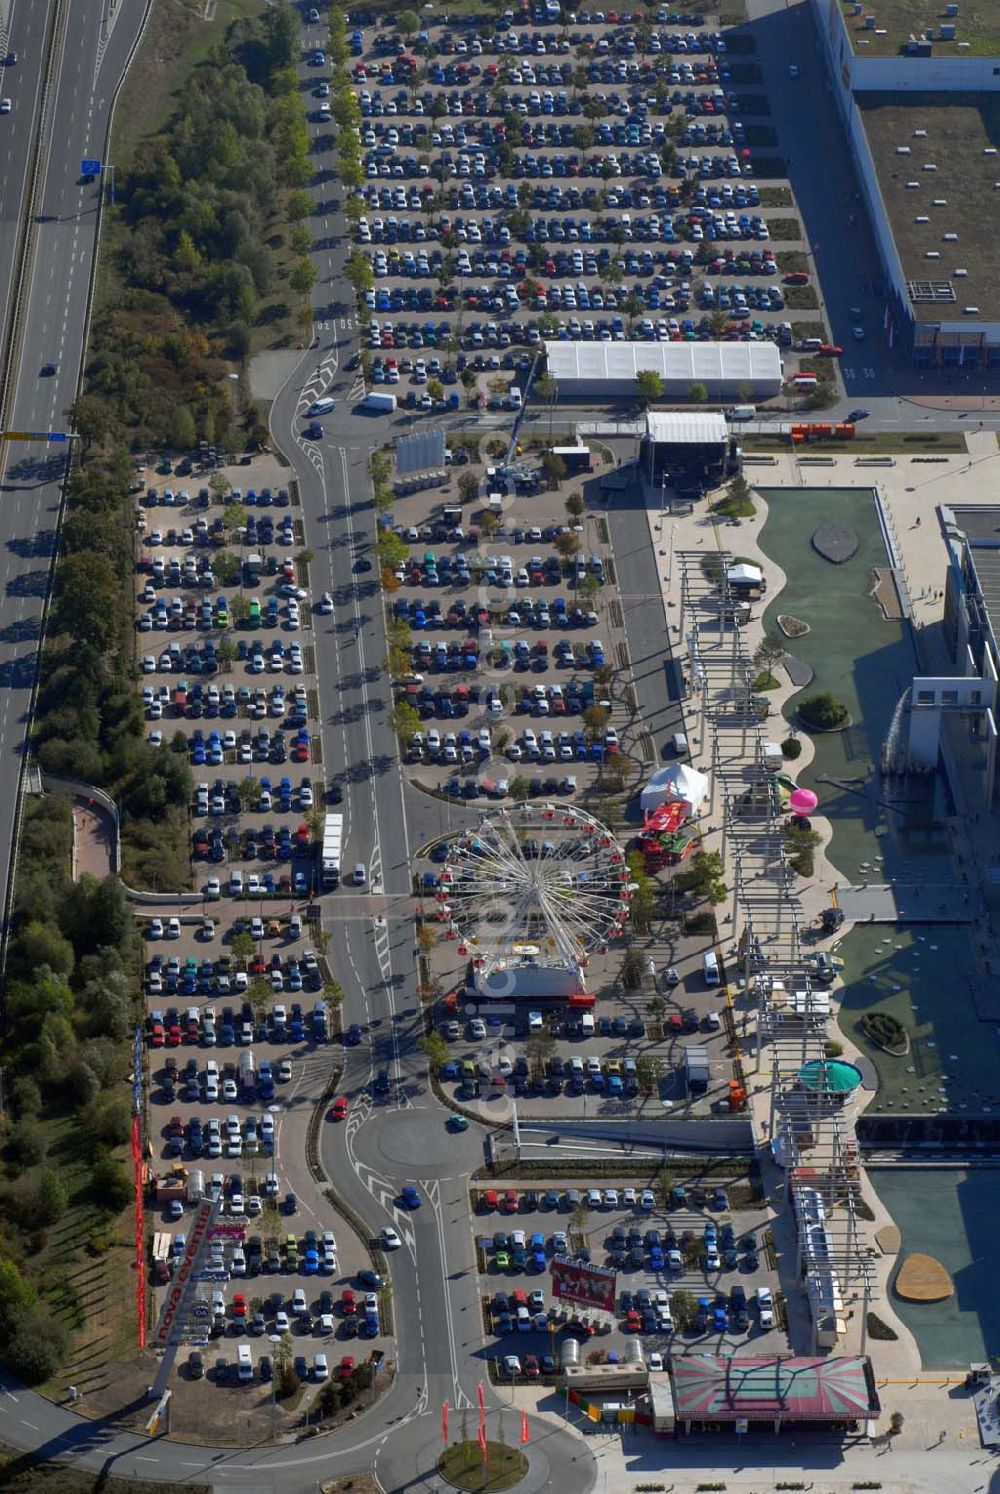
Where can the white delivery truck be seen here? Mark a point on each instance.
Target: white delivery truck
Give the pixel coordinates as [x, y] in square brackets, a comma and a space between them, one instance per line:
[333, 841]
[379, 403]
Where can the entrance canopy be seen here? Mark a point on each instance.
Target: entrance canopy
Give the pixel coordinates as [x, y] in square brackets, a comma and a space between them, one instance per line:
[678, 781]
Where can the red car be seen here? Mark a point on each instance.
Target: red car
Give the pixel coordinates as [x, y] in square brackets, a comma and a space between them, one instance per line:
[532, 1368]
[239, 1306]
[346, 1366]
[829, 350]
[633, 1322]
[338, 1110]
[348, 1303]
[156, 1034]
[511, 1201]
[797, 277]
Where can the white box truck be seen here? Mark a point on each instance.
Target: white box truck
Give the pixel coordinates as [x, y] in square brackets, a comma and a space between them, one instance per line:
[333, 840]
[379, 403]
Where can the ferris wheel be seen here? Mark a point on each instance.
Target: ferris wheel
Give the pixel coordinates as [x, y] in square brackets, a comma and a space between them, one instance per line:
[531, 894]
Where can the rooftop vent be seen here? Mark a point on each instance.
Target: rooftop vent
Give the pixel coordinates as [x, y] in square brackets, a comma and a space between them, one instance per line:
[946, 31]
[902, 150]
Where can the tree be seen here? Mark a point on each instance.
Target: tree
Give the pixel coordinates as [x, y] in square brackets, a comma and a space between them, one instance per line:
[520, 788]
[250, 790]
[183, 431]
[50, 1200]
[824, 712]
[539, 1049]
[703, 877]
[408, 23]
[489, 523]
[435, 389]
[769, 652]
[468, 487]
[404, 719]
[697, 393]
[391, 550]
[37, 1345]
[42, 944]
[683, 1309]
[648, 386]
[567, 544]
[575, 505]
[595, 720]
[260, 996]
[434, 1047]
[226, 567]
[111, 1185]
[219, 485]
[26, 1145]
[243, 947]
[554, 467]
[303, 276]
[91, 418]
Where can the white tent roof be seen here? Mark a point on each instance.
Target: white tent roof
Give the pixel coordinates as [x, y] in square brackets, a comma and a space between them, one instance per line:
[743, 572]
[685, 427]
[676, 781]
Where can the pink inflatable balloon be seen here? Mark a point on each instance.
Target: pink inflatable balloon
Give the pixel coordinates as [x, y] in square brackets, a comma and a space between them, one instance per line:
[803, 801]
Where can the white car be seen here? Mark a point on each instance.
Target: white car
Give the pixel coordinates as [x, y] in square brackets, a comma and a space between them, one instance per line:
[477, 1028]
[765, 1307]
[654, 1362]
[5, 106]
[155, 928]
[647, 1199]
[390, 1239]
[628, 1198]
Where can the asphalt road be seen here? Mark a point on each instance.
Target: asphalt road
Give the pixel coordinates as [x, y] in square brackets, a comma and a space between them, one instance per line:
[24, 33]
[90, 63]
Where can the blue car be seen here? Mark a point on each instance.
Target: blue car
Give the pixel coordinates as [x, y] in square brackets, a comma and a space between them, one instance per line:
[410, 1197]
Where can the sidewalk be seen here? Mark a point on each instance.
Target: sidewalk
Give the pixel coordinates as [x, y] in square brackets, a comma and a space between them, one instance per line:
[689, 533]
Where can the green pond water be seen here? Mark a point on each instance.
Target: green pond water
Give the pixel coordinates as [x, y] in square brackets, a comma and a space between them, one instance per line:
[883, 829]
[890, 830]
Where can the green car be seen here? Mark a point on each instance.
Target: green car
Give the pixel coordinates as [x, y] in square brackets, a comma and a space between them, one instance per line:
[502, 1260]
[254, 615]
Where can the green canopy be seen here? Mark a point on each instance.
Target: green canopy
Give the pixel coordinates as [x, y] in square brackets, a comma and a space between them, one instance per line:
[835, 1077]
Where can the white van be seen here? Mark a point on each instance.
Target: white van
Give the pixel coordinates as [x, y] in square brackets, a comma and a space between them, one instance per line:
[244, 1364]
[513, 398]
[710, 967]
[360, 875]
[679, 744]
[587, 1025]
[742, 412]
[321, 407]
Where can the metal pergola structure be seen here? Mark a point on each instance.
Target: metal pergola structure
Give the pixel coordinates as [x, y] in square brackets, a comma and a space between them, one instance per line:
[811, 1129]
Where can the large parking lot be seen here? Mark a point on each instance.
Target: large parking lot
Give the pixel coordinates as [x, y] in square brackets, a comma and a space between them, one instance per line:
[239, 1023]
[509, 637]
[586, 181]
[691, 1270]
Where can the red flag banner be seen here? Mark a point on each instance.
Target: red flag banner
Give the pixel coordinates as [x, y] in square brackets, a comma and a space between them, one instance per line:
[444, 1424]
[482, 1400]
[525, 1437]
[482, 1437]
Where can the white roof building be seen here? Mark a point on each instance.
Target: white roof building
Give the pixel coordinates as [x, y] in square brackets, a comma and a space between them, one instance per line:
[727, 369]
[676, 781]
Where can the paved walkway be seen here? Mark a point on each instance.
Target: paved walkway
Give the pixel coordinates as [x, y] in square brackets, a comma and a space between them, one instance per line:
[93, 840]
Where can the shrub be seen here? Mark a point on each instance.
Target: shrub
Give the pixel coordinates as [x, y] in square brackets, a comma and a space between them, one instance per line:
[823, 712]
[878, 1329]
[791, 748]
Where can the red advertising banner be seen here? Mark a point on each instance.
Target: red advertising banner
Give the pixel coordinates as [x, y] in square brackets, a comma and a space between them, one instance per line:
[579, 1281]
[197, 1236]
[525, 1437]
[140, 1235]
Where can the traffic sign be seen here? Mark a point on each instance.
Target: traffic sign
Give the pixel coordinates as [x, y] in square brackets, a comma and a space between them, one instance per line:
[90, 168]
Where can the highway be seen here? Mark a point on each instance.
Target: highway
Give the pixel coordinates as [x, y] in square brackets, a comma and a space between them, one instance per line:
[87, 69]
